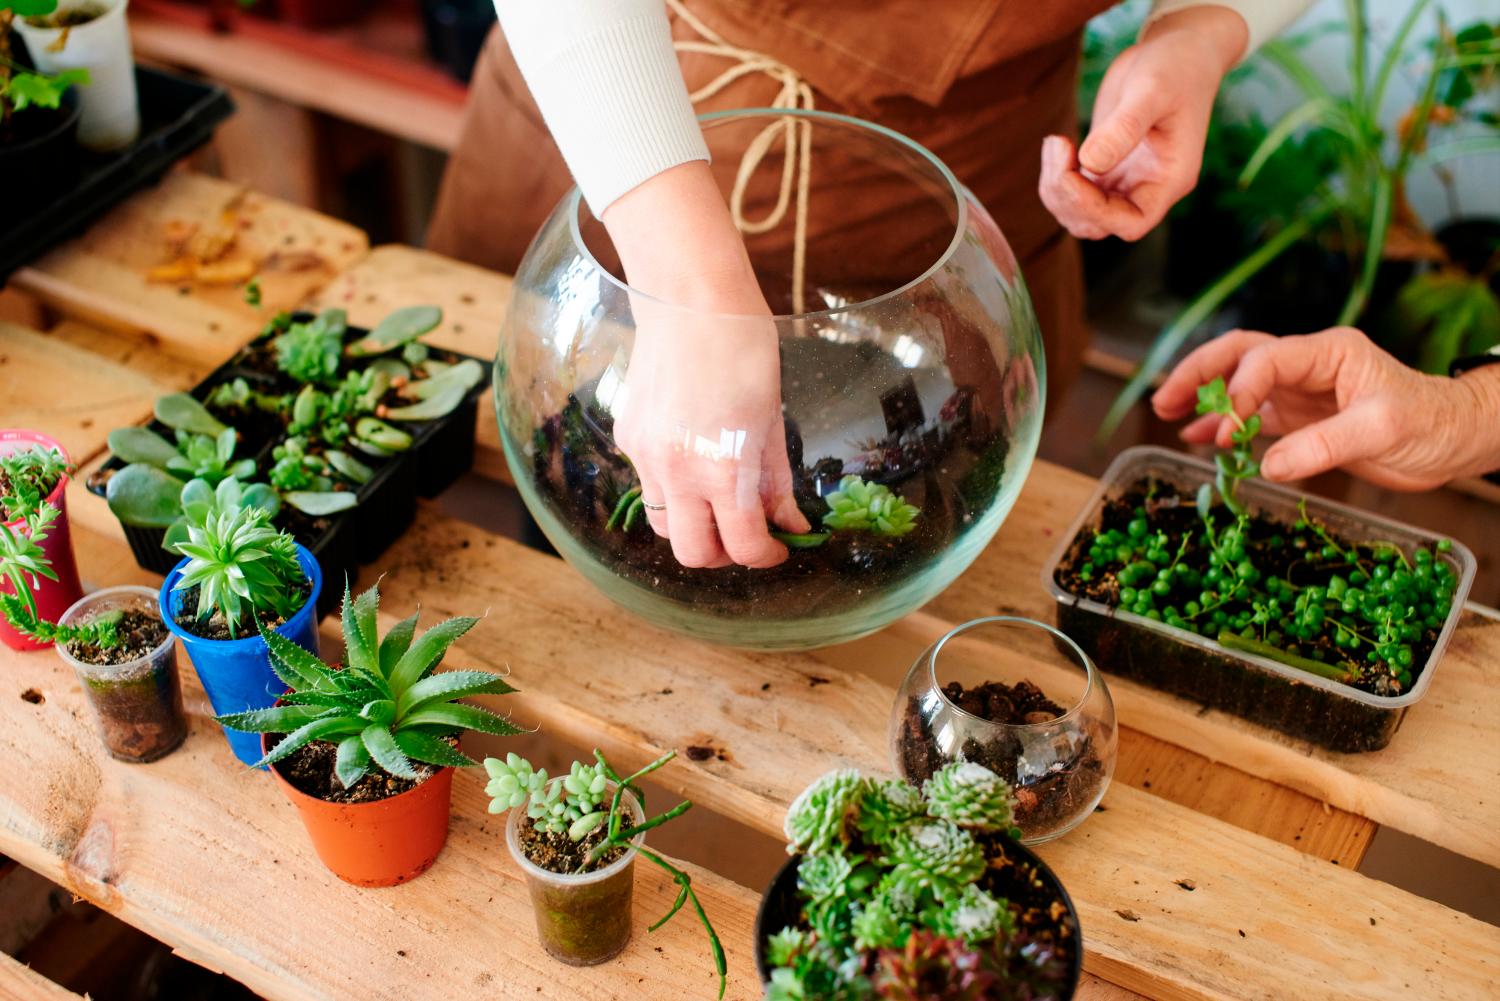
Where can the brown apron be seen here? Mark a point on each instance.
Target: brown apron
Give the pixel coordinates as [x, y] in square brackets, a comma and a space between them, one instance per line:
[978, 82]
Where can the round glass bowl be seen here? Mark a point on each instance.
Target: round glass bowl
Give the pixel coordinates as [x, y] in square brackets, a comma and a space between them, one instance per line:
[908, 354]
[1023, 700]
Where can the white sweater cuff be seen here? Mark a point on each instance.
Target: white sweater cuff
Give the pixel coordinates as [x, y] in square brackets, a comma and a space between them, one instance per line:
[607, 81]
[1265, 18]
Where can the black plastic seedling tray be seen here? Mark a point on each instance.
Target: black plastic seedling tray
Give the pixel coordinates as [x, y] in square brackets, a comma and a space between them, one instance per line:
[442, 450]
[177, 116]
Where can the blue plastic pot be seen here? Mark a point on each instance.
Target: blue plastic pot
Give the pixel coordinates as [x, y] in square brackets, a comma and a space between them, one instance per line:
[237, 674]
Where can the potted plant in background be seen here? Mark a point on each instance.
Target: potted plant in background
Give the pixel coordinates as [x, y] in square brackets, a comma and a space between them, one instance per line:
[576, 838]
[239, 577]
[900, 892]
[39, 112]
[35, 540]
[1357, 208]
[366, 751]
[90, 39]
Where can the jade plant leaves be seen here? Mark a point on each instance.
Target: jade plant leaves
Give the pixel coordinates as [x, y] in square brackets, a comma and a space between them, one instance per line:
[143, 496]
[182, 412]
[398, 328]
[136, 444]
[440, 395]
[320, 504]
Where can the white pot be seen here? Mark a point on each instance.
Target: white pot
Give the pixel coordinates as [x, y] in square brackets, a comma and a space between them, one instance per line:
[111, 118]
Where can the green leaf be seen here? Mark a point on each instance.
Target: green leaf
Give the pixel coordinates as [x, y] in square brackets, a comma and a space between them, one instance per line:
[300, 669]
[373, 431]
[321, 504]
[263, 497]
[406, 324]
[140, 445]
[349, 467]
[280, 719]
[25, 90]
[183, 413]
[432, 750]
[321, 729]
[352, 760]
[467, 373]
[448, 686]
[1276, 137]
[438, 405]
[361, 646]
[427, 652]
[451, 714]
[382, 711]
[1213, 398]
[143, 496]
[29, 8]
[386, 752]
[396, 643]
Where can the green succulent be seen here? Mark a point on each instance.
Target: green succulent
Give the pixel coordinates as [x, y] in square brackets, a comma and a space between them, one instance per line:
[384, 708]
[200, 457]
[310, 352]
[857, 506]
[512, 782]
[240, 564]
[238, 394]
[23, 564]
[880, 924]
[886, 806]
[970, 795]
[938, 850]
[973, 916]
[26, 476]
[786, 945]
[821, 819]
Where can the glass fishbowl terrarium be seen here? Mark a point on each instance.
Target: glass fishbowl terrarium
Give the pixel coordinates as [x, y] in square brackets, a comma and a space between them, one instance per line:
[911, 381]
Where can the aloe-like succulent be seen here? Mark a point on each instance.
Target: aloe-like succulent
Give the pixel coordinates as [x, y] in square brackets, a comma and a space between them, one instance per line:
[858, 506]
[971, 796]
[385, 708]
[822, 817]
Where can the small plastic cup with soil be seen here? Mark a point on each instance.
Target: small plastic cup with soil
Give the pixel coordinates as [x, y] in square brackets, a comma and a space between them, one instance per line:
[134, 687]
[582, 918]
[1021, 699]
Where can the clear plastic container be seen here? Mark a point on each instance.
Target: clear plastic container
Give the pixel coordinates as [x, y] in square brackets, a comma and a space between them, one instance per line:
[1326, 712]
[1057, 764]
[137, 704]
[582, 920]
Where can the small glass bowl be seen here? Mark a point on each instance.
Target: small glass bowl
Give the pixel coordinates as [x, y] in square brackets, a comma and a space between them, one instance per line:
[1058, 762]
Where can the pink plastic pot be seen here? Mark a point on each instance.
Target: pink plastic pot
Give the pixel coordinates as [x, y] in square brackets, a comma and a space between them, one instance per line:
[53, 598]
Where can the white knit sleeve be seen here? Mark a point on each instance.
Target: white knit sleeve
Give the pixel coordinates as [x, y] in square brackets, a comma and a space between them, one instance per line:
[608, 84]
[1265, 18]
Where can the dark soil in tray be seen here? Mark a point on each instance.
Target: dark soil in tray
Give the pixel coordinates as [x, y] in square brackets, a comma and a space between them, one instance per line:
[948, 464]
[215, 628]
[1279, 550]
[309, 769]
[1041, 805]
[140, 632]
[560, 853]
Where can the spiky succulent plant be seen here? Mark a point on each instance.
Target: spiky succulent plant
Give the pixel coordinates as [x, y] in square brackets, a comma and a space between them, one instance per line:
[937, 851]
[822, 817]
[858, 506]
[385, 708]
[971, 796]
[240, 564]
[887, 805]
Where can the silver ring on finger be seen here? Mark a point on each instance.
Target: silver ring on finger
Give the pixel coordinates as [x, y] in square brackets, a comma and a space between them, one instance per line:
[653, 507]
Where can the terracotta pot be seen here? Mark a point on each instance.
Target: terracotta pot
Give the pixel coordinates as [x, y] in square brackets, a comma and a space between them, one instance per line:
[53, 597]
[377, 844]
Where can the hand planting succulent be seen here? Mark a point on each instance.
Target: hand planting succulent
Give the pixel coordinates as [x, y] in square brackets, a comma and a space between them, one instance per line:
[1364, 613]
[384, 708]
[240, 566]
[857, 506]
[902, 893]
[576, 825]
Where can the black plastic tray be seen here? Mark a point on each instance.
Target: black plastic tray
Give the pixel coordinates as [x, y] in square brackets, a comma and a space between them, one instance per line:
[178, 115]
[442, 451]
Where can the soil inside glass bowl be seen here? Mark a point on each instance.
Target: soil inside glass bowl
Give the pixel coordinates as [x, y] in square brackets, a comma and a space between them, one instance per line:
[1042, 804]
[949, 465]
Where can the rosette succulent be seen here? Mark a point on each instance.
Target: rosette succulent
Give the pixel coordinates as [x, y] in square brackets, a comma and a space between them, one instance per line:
[512, 782]
[888, 805]
[822, 816]
[936, 852]
[869, 507]
[971, 796]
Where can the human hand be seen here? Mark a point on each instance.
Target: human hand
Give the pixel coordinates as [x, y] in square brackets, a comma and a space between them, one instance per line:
[701, 419]
[1338, 400]
[1150, 120]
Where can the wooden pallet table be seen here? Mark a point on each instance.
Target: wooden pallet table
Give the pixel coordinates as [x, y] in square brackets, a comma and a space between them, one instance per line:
[206, 856]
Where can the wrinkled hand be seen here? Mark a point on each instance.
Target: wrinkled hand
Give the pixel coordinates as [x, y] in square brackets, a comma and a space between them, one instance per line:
[702, 425]
[1338, 400]
[1150, 120]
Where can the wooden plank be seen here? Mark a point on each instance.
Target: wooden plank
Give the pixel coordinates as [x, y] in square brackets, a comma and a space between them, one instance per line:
[1262, 914]
[1425, 783]
[19, 982]
[65, 391]
[101, 276]
[423, 115]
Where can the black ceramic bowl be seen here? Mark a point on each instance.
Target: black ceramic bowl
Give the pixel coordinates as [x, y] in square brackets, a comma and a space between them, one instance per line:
[779, 908]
